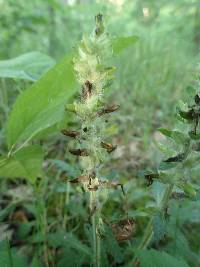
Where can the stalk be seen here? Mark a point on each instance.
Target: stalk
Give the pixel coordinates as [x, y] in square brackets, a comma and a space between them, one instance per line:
[95, 236]
[66, 201]
[9, 253]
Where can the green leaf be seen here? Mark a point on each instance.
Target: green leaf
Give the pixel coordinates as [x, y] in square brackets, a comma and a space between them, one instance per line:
[121, 43]
[42, 105]
[75, 253]
[189, 189]
[189, 115]
[66, 167]
[35, 262]
[68, 240]
[179, 245]
[153, 258]
[9, 257]
[159, 226]
[111, 245]
[177, 136]
[191, 90]
[29, 66]
[158, 190]
[165, 132]
[182, 106]
[164, 148]
[167, 165]
[194, 136]
[24, 229]
[26, 163]
[5, 212]
[73, 242]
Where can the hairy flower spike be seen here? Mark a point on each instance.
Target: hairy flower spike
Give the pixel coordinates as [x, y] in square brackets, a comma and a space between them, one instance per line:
[95, 76]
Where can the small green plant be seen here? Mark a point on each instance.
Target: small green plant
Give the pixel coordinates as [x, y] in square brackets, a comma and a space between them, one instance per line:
[179, 170]
[182, 150]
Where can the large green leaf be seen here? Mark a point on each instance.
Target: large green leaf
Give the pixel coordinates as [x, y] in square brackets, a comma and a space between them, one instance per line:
[29, 66]
[121, 43]
[26, 163]
[42, 105]
[153, 258]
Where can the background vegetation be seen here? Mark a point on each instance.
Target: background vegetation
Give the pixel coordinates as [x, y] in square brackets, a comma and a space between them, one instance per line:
[45, 221]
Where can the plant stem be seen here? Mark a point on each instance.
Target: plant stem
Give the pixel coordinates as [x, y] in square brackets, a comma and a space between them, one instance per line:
[95, 221]
[9, 252]
[66, 202]
[147, 237]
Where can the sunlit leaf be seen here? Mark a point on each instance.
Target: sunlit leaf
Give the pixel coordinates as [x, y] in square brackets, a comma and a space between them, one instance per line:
[42, 105]
[121, 43]
[26, 163]
[165, 132]
[29, 66]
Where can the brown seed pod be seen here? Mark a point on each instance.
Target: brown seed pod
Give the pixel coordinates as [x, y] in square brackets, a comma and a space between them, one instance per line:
[112, 185]
[188, 115]
[93, 188]
[149, 177]
[87, 90]
[79, 152]
[124, 229]
[179, 158]
[109, 147]
[70, 133]
[108, 109]
[197, 99]
[80, 179]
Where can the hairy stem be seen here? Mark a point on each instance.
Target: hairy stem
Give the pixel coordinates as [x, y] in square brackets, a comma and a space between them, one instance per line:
[95, 221]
